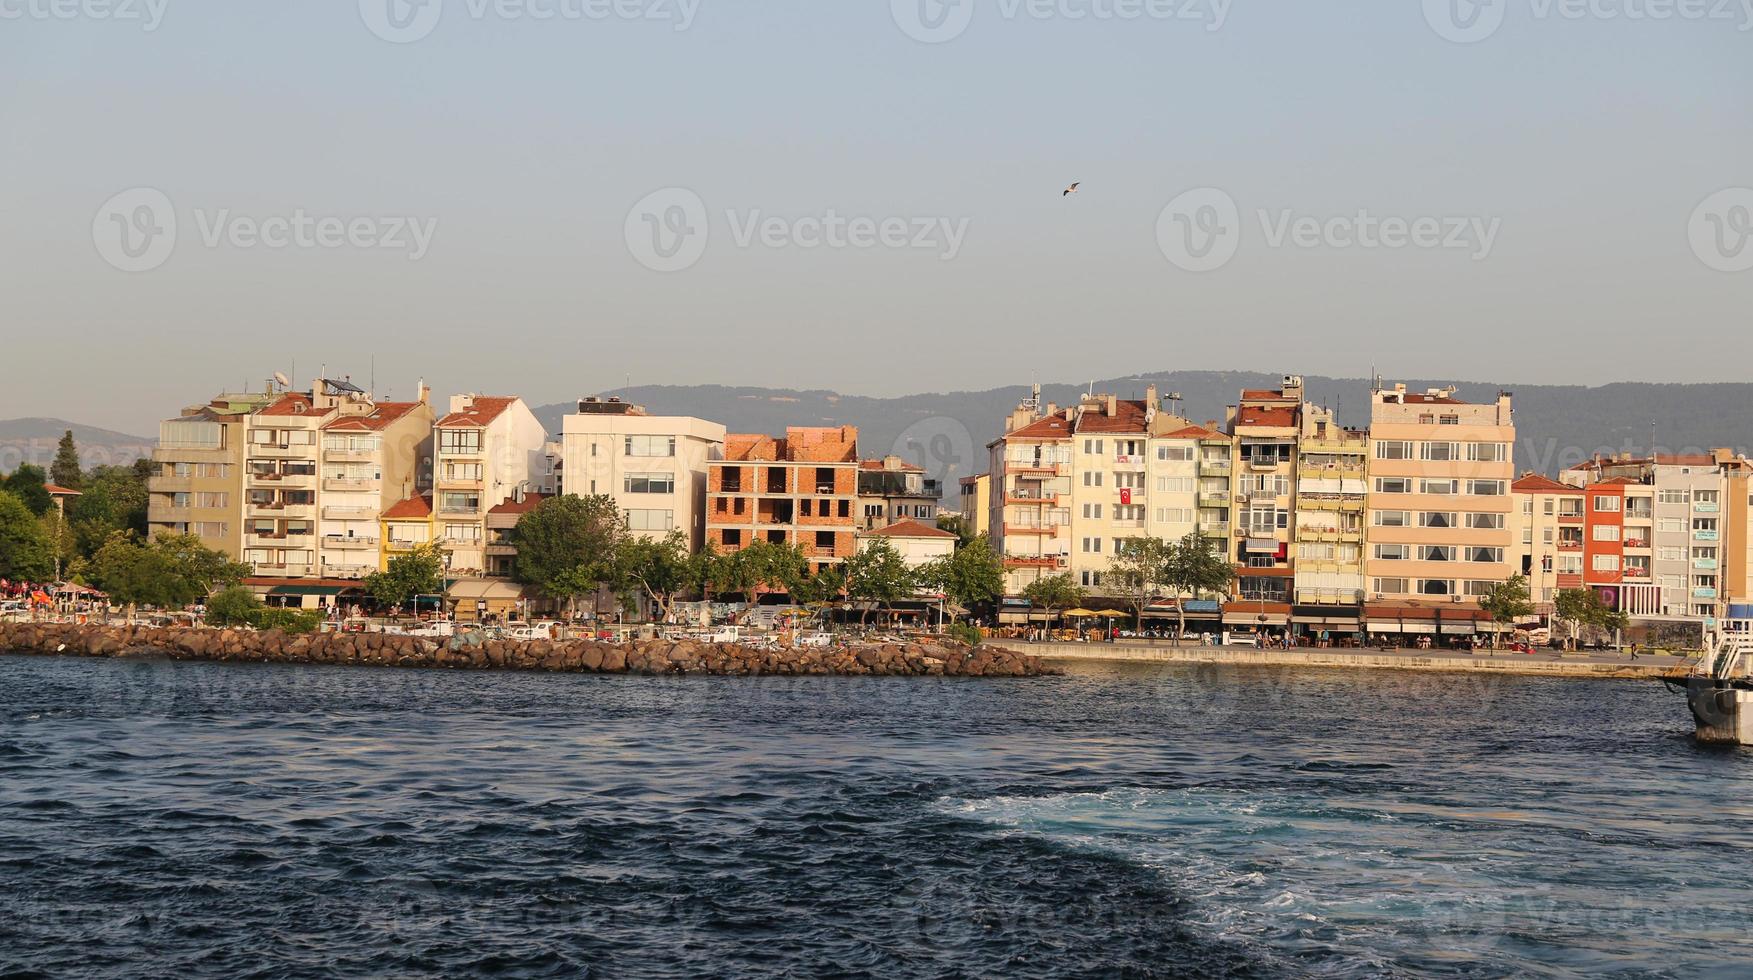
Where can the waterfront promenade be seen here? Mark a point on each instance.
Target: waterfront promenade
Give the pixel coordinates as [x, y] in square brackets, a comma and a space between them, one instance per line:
[1542, 664]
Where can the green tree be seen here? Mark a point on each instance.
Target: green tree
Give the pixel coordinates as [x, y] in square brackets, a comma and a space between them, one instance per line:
[777, 566]
[1508, 601]
[878, 574]
[204, 569]
[1579, 609]
[970, 576]
[568, 546]
[1136, 571]
[236, 606]
[659, 568]
[1193, 567]
[26, 553]
[114, 499]
[173, 570]
[1054, 592]
[418, 572]
[29, 485]
[65, 470]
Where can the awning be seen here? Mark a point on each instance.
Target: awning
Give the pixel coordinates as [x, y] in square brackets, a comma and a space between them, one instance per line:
[306, 590]
[1396, 626]
[1342, 622]
[485, 588]
[1254, 619]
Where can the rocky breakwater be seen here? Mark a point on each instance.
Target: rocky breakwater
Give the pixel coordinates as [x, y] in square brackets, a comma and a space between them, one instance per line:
[476, 651]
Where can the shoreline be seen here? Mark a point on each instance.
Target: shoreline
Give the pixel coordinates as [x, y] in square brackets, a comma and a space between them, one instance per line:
[1646, 668]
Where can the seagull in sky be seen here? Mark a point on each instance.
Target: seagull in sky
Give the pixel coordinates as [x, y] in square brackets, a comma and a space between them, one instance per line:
[1072, 189]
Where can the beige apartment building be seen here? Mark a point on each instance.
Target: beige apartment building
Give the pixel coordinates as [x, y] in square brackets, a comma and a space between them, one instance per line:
[654, 466]
[372, 456]
[197, 485]
[1031, 495]
[1332, 498]
[280, 482]
[487, 449]
[1546, 538]
[977, 503]
[1439, 502]
[1265, 426]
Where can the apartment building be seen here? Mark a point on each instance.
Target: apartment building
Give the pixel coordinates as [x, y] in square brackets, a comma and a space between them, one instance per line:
[1670, 539]
[1547, 528]
[654, 466]
[1030, 469]
[891, 490]
[801, 489]
[1332, 497]
[976, 509]
[196, 485]
[917, 542]
[502, 520]
[373, 454]
[404, 526]
[283, 456]
[487, 448]
[1439, 502]
[1738, 540]
[1265, 427]
[1110, 482]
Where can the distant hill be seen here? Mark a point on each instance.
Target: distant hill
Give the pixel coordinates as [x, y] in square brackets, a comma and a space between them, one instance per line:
[947, 433]
[34, 441]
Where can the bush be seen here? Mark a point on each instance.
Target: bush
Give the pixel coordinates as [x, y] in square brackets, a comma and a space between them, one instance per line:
[295, 622]
[235, 606]
[964, 633]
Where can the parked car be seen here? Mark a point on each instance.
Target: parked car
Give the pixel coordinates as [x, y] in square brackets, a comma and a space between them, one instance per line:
[817, 639]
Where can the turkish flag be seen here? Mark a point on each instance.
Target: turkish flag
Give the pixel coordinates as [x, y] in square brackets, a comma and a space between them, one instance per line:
[1126, 496]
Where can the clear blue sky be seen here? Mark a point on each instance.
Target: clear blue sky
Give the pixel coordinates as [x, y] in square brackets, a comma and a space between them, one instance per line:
[1589, 141]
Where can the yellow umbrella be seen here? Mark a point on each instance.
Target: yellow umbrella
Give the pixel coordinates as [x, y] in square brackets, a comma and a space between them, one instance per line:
[1080, 613]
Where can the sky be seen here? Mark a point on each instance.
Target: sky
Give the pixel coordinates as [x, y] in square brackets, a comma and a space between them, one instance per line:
[556, 197]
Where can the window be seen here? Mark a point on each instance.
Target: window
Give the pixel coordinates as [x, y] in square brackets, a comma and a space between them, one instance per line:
[452, 471]
[1391, 586]
[1092, 512]
[1439, 487]
[1174, 454]
[459, 503]
[649, 446]
[1484, 556]
[1672, 554]
[1671, 525]
[1092, 546]
[459, 440]
[1441, 452]
[1174, 484]
[1435, 552]
[1485, 488]
[1393, 552]
[1606, 532]
[1174, 515]
[1092, 479]
[1393, 484]
[1704, 554]
[649, 483]
[1393, 518]
[1092, 447]
[651, 520]
[1438, 519]
[1132, 514]
[1480, 590]
[1606, 504]
[1706, 497]
[410, 533]
[1486, 522]
[1675, 496]
[1570, 564]
[1129, 481]
[1488, 452]
[1435, 586]
[212, 500]
[463, 533]
[1394, 450]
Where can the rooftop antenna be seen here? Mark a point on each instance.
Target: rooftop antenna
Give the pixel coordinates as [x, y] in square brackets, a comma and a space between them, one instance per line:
[374, 375]
[285, 382]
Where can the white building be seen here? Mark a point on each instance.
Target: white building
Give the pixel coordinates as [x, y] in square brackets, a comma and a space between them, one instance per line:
[654, 466]
[488, 450]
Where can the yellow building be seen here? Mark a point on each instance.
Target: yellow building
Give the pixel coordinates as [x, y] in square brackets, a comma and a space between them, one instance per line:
[977, 503]
[404, 526]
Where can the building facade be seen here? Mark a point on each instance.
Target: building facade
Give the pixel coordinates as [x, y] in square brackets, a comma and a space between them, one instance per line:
[486, 449]
[654, 466]
[373, 456]
[801, 489]
[891, 490]
[197, 481]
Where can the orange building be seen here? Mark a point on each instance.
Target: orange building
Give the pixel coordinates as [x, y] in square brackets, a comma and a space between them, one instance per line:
[801, 489]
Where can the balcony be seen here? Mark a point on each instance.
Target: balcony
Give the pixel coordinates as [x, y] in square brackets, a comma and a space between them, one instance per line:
[465, 485]
[166, 514]
[502, 551]
[1040, 561]
[1212, 498]
[396, 547]
[1570, 518]
[1220, 532]
[257, 450]
[343, 542]
[1038, 530]
[1215, 467]
[1706, 508]
[1705, 564]
[349, 455]
[1349, 447]
[350, 513]
[291, 569]
[351, 485]
[331, 570]
[1128, 462]
[170, 484]
[1038, 469]
[1705, 536]
[1267, 464]
[1704, 593]
[1032, 499]
[1329, 597]
[1637, 544]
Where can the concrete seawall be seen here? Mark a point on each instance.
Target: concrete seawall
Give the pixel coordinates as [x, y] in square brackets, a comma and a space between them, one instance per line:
[477, 652]
[1517, 664]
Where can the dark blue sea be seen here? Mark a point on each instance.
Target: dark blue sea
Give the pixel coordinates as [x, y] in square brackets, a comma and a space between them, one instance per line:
[198, 820]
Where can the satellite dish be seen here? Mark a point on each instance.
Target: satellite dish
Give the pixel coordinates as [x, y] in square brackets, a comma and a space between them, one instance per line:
[283, 379]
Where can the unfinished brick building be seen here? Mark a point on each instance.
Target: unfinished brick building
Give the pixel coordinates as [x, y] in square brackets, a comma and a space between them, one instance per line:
[802, 490]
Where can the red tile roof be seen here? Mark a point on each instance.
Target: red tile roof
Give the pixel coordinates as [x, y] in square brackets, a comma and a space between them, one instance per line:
[1264, 394]
[1051, 427]
[530, 501]
[1274, 418]
[411, 509]
[1193, 432]
[479, 415]
[1535, 483]
[382, 415]
[910, 529]
[1128, 417]
[56, 490]
[290, 404]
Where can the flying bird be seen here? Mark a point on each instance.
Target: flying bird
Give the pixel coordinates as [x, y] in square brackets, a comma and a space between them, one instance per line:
[1072, 189]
